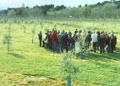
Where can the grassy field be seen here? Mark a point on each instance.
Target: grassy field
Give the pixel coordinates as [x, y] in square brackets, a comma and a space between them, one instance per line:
[26, 63]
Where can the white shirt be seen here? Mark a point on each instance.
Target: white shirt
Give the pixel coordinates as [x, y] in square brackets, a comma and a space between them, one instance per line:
[94, 37]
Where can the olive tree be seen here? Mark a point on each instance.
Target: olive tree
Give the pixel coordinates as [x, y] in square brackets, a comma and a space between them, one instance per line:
[81, 45]
[33, 33]
[7, 37]
[68, 67]
[24, 28]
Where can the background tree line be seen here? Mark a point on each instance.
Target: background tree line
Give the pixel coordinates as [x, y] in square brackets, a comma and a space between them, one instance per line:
[106, 9]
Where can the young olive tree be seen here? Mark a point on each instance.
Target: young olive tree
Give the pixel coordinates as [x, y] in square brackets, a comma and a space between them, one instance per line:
[68, 67]
[23, 27]
[81, 43]
[33, 33]
[7, 37]
[41, 25]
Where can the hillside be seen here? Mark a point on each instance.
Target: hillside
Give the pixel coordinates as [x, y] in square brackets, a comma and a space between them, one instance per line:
[104, 10]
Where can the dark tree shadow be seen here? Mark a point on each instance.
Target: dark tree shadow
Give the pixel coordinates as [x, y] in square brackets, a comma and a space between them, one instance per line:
[16, 55]
[98, 56]
[56, 52]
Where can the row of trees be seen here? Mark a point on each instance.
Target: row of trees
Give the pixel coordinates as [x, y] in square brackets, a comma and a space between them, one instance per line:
[107, 9]
[36, 11]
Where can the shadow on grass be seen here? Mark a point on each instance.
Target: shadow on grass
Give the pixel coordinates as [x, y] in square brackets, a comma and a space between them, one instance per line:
[16, 55]
[50, 50]
[98, 56]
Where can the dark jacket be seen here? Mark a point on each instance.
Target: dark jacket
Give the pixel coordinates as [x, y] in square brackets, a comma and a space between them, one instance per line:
[107, 40]
[113, 40]
[40, 36]
[88, 38]
[102, 40]
[65, 39]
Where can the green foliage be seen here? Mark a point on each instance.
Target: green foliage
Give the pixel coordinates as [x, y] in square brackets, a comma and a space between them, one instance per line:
[44, 12]
[67, 65]
[36, 11]
[11, 13]
[86, 11]
[81, 39]
[23, 10]
[33, 30]
[60, 7]
[24, 28]
[7, 39]
[106, 9]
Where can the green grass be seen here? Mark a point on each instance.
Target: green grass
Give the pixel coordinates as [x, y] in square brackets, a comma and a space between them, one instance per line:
[25, 58]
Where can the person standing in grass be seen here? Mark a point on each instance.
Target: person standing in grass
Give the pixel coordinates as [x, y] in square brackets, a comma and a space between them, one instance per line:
[98, 46]
[70, 33]
[75, 38]
[60, 46]
[40, 37]
[115, 38]
[108, 49]
[71, 42]
[76, 31]
[94, 37]
[46, 41]
[113, 41]
[49, 40]
[102, 42]
[88, 39]
[54, 40]
[63, 32]
[69, 38]
[65, 41]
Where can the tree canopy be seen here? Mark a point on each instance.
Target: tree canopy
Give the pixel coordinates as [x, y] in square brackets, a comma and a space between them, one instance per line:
[106, 9]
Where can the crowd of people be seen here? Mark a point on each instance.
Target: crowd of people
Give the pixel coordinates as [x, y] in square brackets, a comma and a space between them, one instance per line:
[58, 41]
[102, 40]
